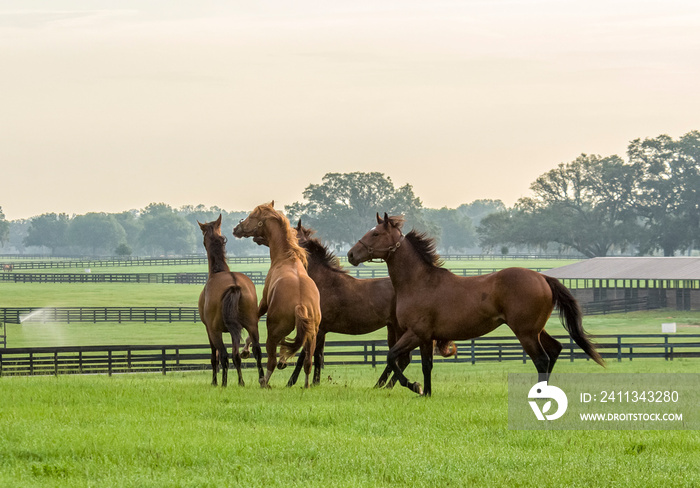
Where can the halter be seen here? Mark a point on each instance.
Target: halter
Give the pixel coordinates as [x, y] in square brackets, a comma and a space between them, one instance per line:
[390, 250]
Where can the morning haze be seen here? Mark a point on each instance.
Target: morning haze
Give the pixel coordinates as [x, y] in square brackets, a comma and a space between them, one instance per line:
[109, 106]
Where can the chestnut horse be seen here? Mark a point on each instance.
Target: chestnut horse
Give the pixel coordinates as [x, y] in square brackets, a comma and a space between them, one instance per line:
[227, 303]
[348, 305]
[434, 304]
[290, 298]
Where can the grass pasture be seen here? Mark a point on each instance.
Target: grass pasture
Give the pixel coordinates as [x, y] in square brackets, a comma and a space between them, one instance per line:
[177, 431]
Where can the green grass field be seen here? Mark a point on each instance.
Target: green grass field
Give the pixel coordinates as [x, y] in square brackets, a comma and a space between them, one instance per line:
[177, 431]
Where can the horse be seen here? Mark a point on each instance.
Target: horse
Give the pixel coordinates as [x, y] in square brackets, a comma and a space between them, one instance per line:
[6, 268]
[434, 304]
[348, 305]
[290, 298]
[228, 302]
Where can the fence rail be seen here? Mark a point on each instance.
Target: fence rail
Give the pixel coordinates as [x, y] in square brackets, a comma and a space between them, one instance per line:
[167, 358]
[18, 315]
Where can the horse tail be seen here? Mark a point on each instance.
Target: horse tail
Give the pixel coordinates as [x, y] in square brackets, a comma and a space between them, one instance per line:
[304, 327]
[571, 317]
[446, 348]
[229, 313]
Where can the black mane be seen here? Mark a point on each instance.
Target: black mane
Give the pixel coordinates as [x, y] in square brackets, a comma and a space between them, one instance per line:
[320, 253]
[425, 247]
[216, 250]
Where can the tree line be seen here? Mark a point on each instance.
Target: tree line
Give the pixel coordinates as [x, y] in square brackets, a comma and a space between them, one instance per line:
[593, 205]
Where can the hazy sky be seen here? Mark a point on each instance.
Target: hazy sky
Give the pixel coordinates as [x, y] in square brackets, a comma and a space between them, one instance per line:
[112, 105]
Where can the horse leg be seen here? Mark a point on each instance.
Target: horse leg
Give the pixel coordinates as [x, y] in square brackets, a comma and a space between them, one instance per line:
[218, 344]
[426, 358]
[214, 364]
[403, 361]
[552, 346]
[271, 348]
[237, 361]
[407, 343]
[534, 349]
[318, 357]
[309, 349]
[297, 369]
[254, 339]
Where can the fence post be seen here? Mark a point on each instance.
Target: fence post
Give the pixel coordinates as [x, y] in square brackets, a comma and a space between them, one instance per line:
[619, 349]
[109, 362]
[374, 355]
[571, 349]
[163, 361]
[55, 363]
[473, 353]
[666, 348]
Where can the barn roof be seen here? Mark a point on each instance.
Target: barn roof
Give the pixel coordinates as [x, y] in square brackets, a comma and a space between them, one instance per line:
[647, 268]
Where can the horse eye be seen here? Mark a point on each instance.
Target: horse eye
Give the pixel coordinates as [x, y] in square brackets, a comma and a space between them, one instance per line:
[375, 234]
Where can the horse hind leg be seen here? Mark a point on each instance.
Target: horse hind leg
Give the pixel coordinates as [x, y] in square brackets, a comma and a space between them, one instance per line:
[552, 346]
[297, 369]
[319, 357]
[407, 343]
[532, 346]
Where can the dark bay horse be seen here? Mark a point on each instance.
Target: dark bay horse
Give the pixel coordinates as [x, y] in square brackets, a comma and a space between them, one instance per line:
[434, 304]
[228, 303]
[348, 305]
[290, 298]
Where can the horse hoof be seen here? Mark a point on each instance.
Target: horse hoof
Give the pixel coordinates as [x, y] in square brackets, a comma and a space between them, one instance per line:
[281, 366]
[417, 388]
[245, 354]
[241, 383]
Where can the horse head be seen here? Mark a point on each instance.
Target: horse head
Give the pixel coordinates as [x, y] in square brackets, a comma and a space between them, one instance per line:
[380, 242]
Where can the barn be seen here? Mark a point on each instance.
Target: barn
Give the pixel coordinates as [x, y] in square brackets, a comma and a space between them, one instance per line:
[641, 282]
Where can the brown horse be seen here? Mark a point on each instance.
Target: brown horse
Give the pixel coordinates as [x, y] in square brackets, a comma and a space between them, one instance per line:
[290, 298]
[434, 304]
[348, 305]
[227, 303]
[6, 268]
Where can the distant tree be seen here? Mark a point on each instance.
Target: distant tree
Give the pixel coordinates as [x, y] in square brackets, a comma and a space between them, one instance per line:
[478, 209]
[132, 225]
[99, 233]
[456, 231]
[166, 231]
[123, 250]
[344, 206]
[4, 229]
[48, 230]
[669, 191]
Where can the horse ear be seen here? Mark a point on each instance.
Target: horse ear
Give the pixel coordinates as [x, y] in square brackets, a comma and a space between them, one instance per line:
[299, 225]
[201, 225]
[218, 221]
[272, 204]
[386, 219]
[379, 219]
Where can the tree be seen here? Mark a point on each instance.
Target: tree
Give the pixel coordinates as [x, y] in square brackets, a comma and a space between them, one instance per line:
[344, 206]
[669, 191]
[132, 225]
[456, 230]
[48, 230]
[587, 205]
[98, 232]
[4, 229]
[478, 209]
[164, 230]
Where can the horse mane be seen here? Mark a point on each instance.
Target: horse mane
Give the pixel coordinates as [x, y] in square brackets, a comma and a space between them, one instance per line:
[320, 252]
[216, 250]
[426, 247]
[295, 250]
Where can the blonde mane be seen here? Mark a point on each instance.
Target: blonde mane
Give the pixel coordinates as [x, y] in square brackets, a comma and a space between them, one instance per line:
[267, 211]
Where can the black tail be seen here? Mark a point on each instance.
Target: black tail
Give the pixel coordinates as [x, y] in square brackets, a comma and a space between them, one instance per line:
[229, 312]
[570, 315]
[304, 327]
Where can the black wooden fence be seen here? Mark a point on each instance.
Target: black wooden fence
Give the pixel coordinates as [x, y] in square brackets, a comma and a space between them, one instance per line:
[167, 358]
[18, 315]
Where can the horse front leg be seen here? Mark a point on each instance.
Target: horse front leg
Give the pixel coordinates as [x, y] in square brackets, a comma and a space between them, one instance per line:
[407, 343]
[318, 357]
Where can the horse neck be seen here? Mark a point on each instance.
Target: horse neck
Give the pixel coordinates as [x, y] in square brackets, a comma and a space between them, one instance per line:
[277, 242]
[217, 262]
[405, 266]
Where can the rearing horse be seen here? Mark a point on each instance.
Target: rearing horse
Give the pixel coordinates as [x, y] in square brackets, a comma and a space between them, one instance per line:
[290, 298]
[227, 303]
[434, 304]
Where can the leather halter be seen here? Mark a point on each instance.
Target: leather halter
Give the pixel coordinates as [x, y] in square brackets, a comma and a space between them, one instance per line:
[390, 250]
